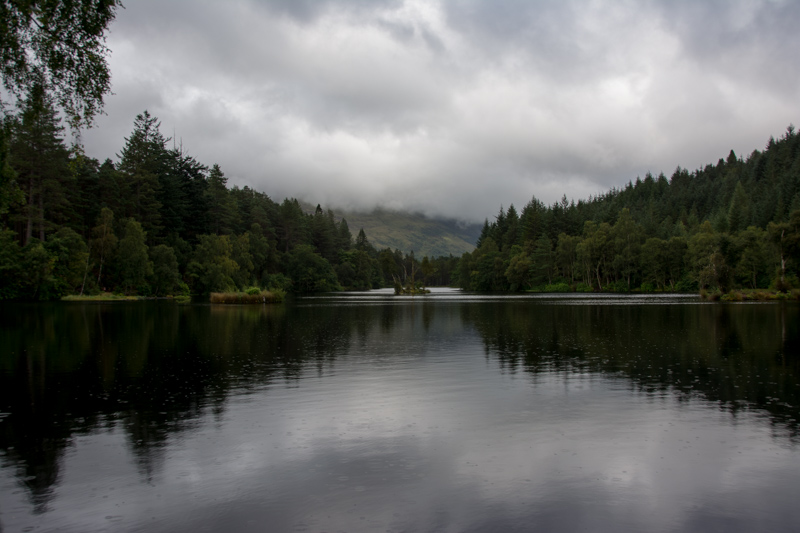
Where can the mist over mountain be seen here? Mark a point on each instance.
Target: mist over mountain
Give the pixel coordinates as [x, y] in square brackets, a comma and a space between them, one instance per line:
[407, 232]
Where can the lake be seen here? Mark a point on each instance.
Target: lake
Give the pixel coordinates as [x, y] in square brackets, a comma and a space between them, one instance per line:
[354, 412]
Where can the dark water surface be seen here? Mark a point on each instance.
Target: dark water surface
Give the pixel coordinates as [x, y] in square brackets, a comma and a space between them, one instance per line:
[365, 412]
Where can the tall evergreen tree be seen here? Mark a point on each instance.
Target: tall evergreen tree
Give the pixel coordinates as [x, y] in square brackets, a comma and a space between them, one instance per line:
[39, 157]
[739, 211]
[142, 159]
[345, 240]
[362, 243]
[221, 206]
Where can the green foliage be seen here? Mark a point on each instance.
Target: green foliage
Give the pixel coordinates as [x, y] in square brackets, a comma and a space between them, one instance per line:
[686, 285]
[104, 242]
[38, 282]
[557, 287]
[39, 159]
[647, 287]
[143, 159]
[212, 267]
[310, 272]
[222, 207]
[166, 278]
[11, 275]
[133, 264]
[10, 193]
[753, 258]
[358, 271]
[276, 282]
[71, 259]
[60, 45]
[519, 271]
[240, 253]
[734, 223]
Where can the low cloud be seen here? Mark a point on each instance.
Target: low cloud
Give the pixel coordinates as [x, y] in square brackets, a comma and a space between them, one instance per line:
[451, 108]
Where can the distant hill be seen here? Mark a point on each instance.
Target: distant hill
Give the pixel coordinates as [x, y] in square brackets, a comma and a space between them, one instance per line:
[412, 232]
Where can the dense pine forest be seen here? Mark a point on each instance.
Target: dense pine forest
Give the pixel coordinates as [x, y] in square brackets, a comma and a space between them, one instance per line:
[157, 222]
[732, 225]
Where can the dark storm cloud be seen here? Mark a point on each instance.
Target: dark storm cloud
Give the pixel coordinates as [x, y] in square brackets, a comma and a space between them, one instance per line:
[452, 107]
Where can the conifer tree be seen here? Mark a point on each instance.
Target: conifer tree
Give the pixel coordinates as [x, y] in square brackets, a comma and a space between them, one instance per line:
[142, 160]
[345, 240]
[39, 157]
[221, 206]
[739, 212]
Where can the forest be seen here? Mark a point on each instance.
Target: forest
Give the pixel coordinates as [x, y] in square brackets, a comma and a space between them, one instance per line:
[733, 225]
[157, 222]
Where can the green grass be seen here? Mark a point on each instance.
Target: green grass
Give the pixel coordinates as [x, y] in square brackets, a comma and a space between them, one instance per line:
[102, 297]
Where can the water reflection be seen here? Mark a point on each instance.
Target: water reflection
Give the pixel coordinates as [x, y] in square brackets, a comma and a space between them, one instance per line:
[742, 356]
[154, 375]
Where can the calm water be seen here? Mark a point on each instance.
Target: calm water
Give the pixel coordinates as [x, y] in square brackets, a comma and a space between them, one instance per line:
[366, 412]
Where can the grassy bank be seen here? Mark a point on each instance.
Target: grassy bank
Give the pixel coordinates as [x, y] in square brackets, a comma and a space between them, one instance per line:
[102, 297]
[749, 295]
[248, 297]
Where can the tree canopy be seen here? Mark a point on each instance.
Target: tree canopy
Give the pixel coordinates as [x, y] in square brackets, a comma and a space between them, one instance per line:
[61, 45]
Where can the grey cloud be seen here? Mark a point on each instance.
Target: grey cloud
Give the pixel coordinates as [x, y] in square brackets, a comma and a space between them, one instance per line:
[452, 108]
[309, 10]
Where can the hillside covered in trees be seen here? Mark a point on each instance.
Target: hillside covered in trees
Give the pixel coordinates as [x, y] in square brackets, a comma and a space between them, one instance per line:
[426, 236]
[733, 224]
[158, 222]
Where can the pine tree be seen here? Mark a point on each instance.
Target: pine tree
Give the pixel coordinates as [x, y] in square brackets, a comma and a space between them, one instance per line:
[221, 206]
[142, 160]
[345, 240]
[362, 243]
[323, 234]
[39, 157]
[739, 214]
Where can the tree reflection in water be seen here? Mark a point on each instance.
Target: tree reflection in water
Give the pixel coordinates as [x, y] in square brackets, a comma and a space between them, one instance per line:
[155, 370]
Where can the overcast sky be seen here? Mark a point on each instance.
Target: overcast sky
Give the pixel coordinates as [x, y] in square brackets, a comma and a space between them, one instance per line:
[452, 107]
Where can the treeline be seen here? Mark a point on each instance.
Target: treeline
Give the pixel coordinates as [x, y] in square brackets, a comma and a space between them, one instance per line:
[158, 222]
[732, 225]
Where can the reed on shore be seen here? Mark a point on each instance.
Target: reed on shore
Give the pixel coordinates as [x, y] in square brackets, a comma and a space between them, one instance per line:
[749, 295]
[248, 297]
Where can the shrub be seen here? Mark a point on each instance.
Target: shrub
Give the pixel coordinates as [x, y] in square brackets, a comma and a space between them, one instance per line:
[618, 286]
[556, 287]
[647, 287]
[276, 282]
[711, 296]
[686, 285]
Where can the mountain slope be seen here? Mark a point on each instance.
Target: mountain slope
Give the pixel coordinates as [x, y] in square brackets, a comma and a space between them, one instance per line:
[412, 232]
